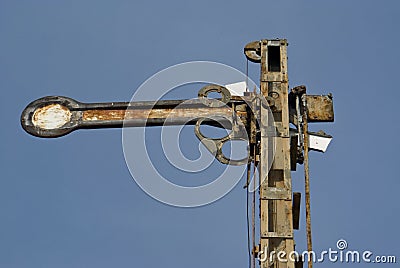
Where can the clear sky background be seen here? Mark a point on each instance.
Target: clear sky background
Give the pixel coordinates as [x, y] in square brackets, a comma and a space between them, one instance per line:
[71, 202]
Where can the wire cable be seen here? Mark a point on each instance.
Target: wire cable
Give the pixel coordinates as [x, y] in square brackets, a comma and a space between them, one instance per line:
[253, 209]
[247, 75]
[247, 215]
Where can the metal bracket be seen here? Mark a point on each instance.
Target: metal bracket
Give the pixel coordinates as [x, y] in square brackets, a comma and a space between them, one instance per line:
[238, 132]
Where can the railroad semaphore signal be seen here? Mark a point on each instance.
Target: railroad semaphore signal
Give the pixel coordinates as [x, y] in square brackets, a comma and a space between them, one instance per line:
[262, 118]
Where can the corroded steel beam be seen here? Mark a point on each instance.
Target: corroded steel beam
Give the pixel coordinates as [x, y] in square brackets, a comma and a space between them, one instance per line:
[56, 116]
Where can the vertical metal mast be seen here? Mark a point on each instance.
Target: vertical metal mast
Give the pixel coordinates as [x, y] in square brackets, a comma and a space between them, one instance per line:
[276, 223]
[279, 212]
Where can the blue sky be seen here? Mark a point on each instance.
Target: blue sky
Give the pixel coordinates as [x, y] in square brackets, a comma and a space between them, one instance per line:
[71, 202]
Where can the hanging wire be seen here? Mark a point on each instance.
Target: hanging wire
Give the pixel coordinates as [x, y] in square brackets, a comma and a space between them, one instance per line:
[247, 184]
[247, 214]
[247, 75]
[253, 208]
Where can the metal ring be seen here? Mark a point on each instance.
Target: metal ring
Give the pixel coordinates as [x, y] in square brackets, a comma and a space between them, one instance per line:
[214, 146]
[50, 117]
[214, 103]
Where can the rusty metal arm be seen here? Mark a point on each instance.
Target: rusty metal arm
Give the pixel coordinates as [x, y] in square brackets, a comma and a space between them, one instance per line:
[55, 116]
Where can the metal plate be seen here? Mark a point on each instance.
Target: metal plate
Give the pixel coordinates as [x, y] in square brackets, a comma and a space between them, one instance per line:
[320, 108]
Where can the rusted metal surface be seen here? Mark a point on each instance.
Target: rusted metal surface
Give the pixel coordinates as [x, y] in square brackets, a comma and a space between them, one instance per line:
[160, 117]
[307, 180]
[166, 115]
[56, 116]
[48, 117]
[276, 227]
[320, 108]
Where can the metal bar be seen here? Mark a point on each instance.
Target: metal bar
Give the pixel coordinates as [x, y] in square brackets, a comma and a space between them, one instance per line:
[307, 181]
[56, 116]
[151, 117]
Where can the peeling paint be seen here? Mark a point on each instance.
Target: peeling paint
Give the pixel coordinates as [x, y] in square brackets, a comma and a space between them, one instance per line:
[52, 116]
